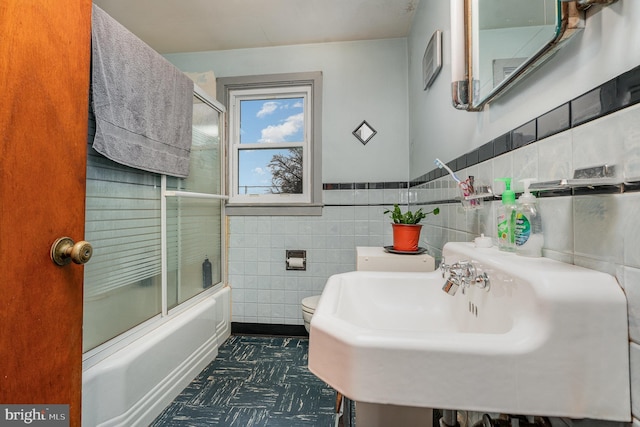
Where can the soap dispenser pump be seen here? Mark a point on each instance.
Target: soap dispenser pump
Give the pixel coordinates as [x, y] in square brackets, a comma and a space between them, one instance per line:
[528, 227]
[506, 218]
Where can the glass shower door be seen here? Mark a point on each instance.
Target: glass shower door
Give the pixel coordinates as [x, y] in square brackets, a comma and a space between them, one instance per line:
[143, 224]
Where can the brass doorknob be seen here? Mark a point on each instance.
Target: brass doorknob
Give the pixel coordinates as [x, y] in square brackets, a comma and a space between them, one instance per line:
[64, 250]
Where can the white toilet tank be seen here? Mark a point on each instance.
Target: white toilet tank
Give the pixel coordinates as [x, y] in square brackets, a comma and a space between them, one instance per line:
[371, 258]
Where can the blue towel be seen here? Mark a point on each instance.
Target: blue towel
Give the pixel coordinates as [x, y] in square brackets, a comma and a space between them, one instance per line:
[142, 103]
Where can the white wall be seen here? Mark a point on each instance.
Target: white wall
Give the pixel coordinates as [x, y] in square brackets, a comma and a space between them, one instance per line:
[362, 81]
[608, 46]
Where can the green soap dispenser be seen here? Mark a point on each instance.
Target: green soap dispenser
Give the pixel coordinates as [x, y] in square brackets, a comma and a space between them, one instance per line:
[506, 219]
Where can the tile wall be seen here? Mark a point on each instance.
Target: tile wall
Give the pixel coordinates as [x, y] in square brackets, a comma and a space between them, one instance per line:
[263, 291]
[596, 227]
[592, 227]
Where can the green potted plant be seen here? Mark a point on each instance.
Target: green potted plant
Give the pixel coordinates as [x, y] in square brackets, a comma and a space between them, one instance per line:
[406, 227]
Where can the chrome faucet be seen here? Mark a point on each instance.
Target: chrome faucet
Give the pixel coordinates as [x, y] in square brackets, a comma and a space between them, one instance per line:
[465, 274]
[444, 267]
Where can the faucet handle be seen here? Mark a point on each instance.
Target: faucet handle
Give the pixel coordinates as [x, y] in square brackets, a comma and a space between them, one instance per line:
[444, 267]
[482, 282]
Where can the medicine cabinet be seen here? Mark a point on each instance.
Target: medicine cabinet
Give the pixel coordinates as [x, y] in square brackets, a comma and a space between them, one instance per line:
[503, 41]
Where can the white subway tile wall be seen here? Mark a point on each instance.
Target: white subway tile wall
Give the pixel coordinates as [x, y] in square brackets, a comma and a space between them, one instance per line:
[555, 158]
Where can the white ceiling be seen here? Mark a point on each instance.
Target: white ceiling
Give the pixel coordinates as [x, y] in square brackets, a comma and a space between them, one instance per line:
[170, 26]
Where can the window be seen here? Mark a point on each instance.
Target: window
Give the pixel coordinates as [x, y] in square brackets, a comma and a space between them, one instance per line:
[274, 144]
[270, 144]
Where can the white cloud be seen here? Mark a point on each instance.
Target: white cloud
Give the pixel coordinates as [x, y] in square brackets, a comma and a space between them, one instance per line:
[267, 108]
[278, 133]
[297, 105]
[259, 171]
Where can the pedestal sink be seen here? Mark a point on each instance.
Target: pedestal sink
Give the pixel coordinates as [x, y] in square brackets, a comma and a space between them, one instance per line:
[547, 338]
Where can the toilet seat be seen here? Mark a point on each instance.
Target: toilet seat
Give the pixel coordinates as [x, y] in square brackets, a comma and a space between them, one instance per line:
[309, 304]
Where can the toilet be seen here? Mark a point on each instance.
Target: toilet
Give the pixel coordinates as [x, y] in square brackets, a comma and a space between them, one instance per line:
[374, 259]
[309, 305]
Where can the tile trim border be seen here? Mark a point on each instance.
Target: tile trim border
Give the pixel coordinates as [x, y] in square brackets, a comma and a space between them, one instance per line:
[616, 94]
[393, 185]
[268, 329]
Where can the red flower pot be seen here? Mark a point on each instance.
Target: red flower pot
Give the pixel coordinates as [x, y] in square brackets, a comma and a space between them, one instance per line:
[406, 237]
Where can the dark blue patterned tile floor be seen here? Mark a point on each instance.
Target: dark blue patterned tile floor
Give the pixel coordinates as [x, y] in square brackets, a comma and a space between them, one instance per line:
[254, 382]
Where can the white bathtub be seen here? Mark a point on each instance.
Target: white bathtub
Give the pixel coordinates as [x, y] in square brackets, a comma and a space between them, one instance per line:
[132, 386]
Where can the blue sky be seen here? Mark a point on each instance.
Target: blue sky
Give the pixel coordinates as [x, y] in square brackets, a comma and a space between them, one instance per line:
[266, 121]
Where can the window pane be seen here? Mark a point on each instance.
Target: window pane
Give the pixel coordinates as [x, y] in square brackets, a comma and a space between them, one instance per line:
[272, 120]
[270, 171]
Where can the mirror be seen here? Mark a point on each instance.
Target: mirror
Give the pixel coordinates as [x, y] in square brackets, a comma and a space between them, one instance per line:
[364, 132]
[506, 39]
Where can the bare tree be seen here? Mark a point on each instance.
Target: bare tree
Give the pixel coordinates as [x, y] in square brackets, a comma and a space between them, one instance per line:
[286, 172]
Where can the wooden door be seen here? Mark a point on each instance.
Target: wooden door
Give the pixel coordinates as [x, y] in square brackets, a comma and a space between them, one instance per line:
[44, 83]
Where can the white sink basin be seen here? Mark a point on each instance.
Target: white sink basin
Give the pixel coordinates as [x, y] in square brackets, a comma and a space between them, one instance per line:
[548, 338]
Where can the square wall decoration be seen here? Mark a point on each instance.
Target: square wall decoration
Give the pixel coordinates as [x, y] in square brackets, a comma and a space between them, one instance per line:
[432, 59]
[364, 132]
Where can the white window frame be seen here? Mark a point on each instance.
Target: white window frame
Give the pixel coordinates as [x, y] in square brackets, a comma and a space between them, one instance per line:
[236, 97]
[284, 204]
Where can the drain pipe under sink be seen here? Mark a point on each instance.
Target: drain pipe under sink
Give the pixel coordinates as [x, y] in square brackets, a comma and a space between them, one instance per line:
[449, 418]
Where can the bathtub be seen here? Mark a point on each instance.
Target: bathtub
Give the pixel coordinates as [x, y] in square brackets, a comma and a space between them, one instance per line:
[132, 386]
